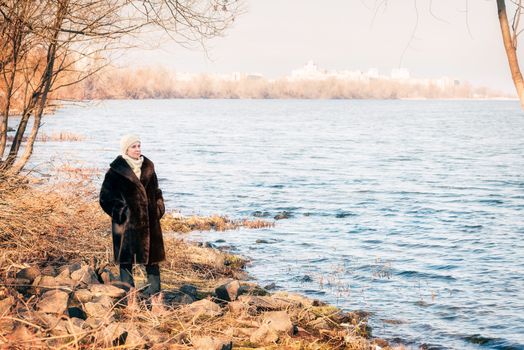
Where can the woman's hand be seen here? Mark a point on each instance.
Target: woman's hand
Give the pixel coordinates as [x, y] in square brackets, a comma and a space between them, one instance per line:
[120, 215]
[160, 207]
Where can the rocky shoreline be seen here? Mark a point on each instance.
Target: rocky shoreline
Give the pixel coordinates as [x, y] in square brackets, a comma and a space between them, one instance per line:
[84, 304]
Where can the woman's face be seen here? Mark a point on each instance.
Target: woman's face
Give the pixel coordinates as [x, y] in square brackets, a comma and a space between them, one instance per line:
[134, 150]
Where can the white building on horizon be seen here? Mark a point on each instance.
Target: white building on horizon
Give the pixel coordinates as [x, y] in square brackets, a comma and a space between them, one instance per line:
[400, 74]
[309, 72]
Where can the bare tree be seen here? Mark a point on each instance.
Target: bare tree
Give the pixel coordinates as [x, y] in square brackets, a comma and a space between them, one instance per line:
[49, 44]
[509, 37]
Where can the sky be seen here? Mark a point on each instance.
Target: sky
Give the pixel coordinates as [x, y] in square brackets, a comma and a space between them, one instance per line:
[456, 38]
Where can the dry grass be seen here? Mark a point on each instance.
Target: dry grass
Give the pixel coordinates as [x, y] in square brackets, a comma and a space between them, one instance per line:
[61, 136]
[177, 223]
[55, 224]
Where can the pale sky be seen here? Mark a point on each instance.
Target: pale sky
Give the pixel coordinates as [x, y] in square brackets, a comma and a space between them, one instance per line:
[462, 40]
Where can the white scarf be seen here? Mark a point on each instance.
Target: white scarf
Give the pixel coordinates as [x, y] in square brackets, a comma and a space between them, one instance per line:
[135, 164]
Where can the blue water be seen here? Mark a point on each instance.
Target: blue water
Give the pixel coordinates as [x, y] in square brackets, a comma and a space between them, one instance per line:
[412, 210]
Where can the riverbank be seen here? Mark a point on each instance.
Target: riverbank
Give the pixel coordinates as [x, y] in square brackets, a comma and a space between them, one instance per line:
[60, 288]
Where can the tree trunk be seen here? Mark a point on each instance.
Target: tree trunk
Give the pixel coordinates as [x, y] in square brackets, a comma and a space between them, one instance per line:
[46, 82]
[511, 51]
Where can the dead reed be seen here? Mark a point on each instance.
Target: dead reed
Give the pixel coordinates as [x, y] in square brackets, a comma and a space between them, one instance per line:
[178, 223]
[61, 136]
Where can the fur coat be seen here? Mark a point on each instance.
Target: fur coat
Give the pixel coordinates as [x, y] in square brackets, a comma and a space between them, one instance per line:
[135, 206]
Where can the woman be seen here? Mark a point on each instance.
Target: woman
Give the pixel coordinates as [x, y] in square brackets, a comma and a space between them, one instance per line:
[130, 195]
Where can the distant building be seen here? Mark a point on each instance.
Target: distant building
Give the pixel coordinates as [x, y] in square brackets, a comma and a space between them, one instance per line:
[373, 73]
[400, 74]
[309, 72]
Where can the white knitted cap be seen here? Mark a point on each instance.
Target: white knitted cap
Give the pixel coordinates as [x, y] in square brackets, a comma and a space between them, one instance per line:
[126, 141]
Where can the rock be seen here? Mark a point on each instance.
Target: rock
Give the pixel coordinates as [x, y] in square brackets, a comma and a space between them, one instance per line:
[22, 335]
[204, 307]
[306, 278]
[107, 289]
[29, 273]
[279, 321]
[270, 286]
[206, 256]
[114, 334]
[76, 312]
[282, 215]
[50, 282]
[83, 295]
[252, 289]
[74, 267]
[176, 297]
[184, 299]
[122, 285]
[157, 305]
[50, 321]
[134, 338]
[107, 276]
[63, 273]
[208, 343]
[237, 307]
[48, 271]
[104, 300]
[97, 310]
[240, 332]
[261, 241]
[189, 290]
[264, 335]
[85, 275]
[228, 291]
[94, 322]
[261, 303]
[6, 304]
[319, 324]
[293, 299]
[74, 325]
[53, 301]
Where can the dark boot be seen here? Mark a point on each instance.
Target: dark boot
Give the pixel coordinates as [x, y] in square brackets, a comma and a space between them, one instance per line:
[153, 279]
[126, 274]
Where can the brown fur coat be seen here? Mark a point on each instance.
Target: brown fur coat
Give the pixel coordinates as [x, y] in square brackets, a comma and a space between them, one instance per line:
[135, 207]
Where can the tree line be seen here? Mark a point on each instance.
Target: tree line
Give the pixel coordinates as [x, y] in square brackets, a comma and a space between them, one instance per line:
[160, 83]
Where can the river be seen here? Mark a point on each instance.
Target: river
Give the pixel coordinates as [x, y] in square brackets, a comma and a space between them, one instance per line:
[411, 210]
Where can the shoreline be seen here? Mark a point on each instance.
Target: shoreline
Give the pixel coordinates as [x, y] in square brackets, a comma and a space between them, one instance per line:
[60, 288]
[227, 311]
